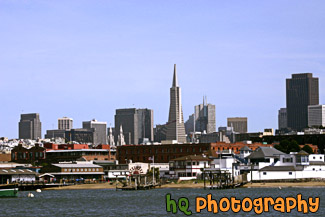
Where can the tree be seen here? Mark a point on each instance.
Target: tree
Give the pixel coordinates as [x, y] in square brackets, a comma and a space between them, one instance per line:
[308, 149]
[287, 147]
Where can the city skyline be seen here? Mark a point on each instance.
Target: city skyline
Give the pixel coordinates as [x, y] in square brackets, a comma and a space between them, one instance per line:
[240, 62]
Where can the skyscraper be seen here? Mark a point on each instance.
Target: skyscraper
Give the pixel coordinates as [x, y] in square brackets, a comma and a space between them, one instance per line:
[282, 118]
[205, 117]
[302, 91]
[175, 125]
[239, 124]
[137, 124]
[316, 115]
[65, 123]
[30, 126]
[100, 131]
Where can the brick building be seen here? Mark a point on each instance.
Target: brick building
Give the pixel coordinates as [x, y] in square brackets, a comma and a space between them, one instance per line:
[165, 153]
[162, 153]
[20, 154]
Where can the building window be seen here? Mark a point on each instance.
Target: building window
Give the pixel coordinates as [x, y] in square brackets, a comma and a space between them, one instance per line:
[97, 169]
[314, 158]
[65, 170]
[73, 170]
[193, 163]
[77, 170]
[81, 170]
[264, 173]
[93, 170]
[85, 170]
[290, 173]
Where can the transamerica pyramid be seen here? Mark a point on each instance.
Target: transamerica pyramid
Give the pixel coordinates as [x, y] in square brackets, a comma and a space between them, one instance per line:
[175, 125]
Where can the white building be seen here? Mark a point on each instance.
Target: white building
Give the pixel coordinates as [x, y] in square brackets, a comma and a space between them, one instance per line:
[227, 162]
[65, 123]
[316, 115]
[299, 165]
[188, 167]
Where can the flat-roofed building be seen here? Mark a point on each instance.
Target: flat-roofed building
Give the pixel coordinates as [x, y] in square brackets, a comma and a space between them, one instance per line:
[77, 154]
[100, 131]
[302, 91]
[65, 123]
[239, 124]
[316, 115]
[30, 126]
[75, 171]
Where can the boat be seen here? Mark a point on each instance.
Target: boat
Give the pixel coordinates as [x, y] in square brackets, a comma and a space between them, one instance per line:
[9, 190]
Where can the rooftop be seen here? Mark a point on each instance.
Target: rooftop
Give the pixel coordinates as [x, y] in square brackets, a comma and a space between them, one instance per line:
[263, 152]
[78, 150]
[76, 165]
[192, 158]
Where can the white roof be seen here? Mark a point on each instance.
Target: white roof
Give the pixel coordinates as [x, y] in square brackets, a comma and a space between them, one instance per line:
[79, 173]
[77, 150]
[76, 166]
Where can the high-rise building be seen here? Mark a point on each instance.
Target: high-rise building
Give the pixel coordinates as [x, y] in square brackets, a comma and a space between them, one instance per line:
[189, 124]
[205, 117]
[175, 125]
[302, 91]
[239, 124]
[282, 118]
[100, 131]
[82, 136]
[137, 124]
[30, 126]
[65, 123]
[316, 115]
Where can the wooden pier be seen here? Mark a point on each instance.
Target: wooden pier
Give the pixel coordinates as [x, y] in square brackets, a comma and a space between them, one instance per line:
[219, 179]
[138, 182]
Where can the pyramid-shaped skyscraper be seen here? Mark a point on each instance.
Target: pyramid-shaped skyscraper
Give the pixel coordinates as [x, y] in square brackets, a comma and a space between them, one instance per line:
[175, 124]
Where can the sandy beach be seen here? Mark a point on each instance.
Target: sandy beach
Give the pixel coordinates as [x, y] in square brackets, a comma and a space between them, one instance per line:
[197, 185]
[285, 185]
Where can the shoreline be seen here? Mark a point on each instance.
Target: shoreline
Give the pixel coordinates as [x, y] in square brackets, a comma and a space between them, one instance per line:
[198, 185]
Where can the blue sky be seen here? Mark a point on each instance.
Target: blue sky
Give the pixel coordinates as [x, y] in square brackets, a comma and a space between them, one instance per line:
[84, 59]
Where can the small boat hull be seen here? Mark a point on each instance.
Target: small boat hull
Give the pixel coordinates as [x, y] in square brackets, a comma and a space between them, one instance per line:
[10, 192]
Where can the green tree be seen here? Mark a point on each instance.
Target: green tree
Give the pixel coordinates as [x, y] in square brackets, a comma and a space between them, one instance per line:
[293, 147]
[288, 146]
[308, 149]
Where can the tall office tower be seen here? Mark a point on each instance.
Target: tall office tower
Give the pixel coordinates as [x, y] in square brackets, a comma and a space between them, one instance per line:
[175, 125]
[205, 117]
[100, 131]
[282, 118]
[302, 91]
[316, 115]
[65, 123]
[137, 124]
[189, 124]
[30, 126]
[239, 124]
